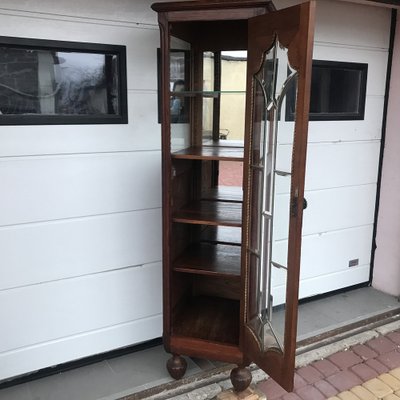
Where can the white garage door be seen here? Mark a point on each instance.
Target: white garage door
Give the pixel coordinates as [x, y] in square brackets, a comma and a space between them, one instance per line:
[343, 156]
[80, 234]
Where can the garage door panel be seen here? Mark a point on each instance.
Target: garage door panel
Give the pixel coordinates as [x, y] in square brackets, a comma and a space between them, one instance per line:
[141, 44]
[339, 164]
[370, 128]
[340, 22]
[141, 133]
[38, 356]
[330, 252]
[337, 280]
[329, 210]
[343, 164]
[320, 253]
[40, 313]
[74, 247]
[376, 60]
[49, 188]
[340, 208]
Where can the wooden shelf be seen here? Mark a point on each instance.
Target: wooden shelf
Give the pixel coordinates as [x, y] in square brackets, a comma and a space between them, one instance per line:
[210, 259]
[206, 212]
[222, 235]
[224, 193]
[220, 153]
[209, 318]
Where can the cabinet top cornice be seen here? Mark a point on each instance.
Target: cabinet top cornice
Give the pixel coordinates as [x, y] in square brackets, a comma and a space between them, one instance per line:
[211, 5]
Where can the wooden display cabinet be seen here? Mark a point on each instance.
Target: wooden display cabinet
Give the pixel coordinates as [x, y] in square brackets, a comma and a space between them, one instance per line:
[231, 255]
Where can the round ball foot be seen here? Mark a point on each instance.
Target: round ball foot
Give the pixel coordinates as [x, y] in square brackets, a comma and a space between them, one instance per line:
[176, 366]
[240, 378]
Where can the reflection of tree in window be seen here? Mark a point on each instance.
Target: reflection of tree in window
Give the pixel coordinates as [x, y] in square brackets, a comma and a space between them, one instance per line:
[50, 82]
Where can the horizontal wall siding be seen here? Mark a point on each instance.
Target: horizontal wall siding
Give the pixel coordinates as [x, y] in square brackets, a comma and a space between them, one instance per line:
[142, 133]
[72, 312]
[55, 187]
[76, 247]
[80, 227]
[76, 305]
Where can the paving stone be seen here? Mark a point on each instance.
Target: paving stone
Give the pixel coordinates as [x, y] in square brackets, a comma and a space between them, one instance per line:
[348, 396]
[310, 374]
[249, 394]
[378, 388]
[298, 381]
[309, 392]
[377, 366]
[363, 393]
[391, 360]
[394, 337]
[364, 352]
[345, 359]
[391, 381]
[271, 389]
[364, 371]
[326, 367]
[291, 396]
[381, 345]
[391, 397]
[395, 372]
[344, 380]
[326, 388]
[333, 398]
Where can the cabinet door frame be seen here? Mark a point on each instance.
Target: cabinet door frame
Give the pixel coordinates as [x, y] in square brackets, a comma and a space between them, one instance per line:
[294, 27]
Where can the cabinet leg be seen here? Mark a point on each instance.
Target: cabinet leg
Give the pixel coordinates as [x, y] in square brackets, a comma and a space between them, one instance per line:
[240, 378]
[176, 366]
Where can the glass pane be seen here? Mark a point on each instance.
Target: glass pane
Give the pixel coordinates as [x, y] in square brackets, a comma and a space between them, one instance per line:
[271, 177]
[52, 82]
[233, 95]
[179, 105]
[208, 101]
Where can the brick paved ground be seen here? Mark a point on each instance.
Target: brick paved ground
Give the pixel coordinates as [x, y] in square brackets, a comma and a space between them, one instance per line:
[367, 371]
[230, 173]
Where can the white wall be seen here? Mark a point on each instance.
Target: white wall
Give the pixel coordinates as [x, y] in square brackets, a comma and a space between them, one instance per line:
[80, 219]
[387, 257]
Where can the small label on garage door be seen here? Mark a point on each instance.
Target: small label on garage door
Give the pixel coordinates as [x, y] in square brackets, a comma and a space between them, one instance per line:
[353, 263]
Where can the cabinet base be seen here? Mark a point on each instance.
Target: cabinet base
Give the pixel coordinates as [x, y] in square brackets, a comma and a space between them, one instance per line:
[240, 378]
[176, 366]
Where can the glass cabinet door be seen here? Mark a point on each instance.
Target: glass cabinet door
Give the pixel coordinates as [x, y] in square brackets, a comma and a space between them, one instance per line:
[279, 67]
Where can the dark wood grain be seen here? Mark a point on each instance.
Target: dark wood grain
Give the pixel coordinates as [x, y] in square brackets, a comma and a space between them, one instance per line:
[210, 259]
[215, 286]
[206, 212]
[222, 235]
[211, 5]
[194, 347]
[220, 153]
[208, 318]
[224, 193]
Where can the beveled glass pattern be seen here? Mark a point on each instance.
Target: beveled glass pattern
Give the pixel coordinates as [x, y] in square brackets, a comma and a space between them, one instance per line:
[271, 156]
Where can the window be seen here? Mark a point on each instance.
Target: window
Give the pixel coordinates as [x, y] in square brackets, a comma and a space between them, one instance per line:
[53, 82]
[338, 92]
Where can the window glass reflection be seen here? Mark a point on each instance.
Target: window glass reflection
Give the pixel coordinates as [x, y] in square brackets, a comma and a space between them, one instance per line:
[50, 82]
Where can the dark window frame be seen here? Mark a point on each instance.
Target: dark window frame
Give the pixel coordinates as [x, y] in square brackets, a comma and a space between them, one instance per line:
[343, 116]
[79, 47]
